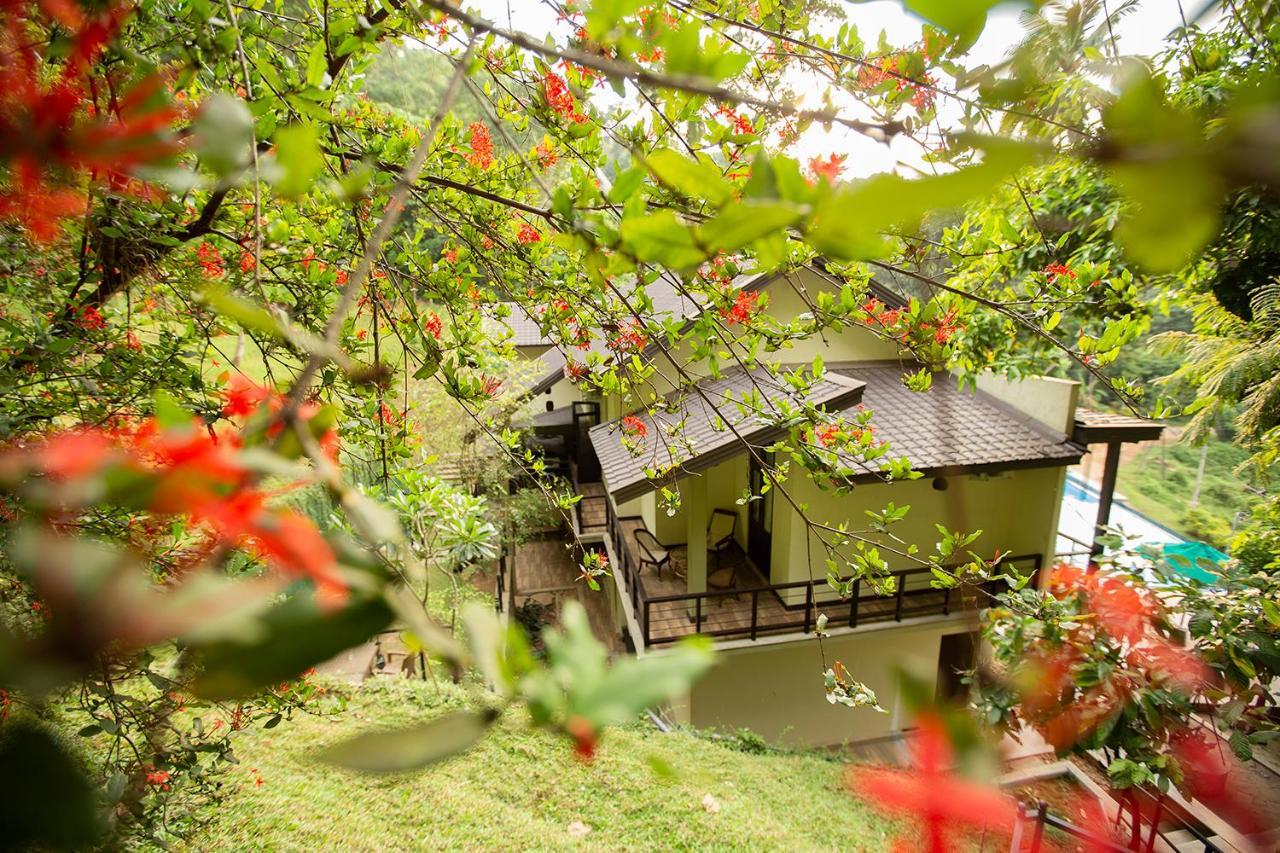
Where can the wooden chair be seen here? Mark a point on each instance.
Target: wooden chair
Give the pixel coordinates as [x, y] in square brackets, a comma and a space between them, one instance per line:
[653, 552]
[720, 539]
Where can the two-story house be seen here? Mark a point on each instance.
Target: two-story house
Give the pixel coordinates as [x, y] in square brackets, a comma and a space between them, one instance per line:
[992, 459]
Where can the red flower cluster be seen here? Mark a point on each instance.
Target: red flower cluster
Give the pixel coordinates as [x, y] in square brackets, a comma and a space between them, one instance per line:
[490, 386]
[247, 261]
[1053, 272]
[829, 168]
[939, 800]
[631, 339]
[575, 371]
[386, 414]
[481, 154]
[158, 778]
[528, 234]
[210, 260]
[90, 319]
[1121, 613]
[740, 123]
[546, 154]
[560, 99]
[885, 68]
[50, 123]
[431, 323]
[634, 427]
[743, 308]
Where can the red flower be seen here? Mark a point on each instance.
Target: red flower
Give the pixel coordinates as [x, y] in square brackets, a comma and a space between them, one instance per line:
[585, 737]
[432, 324]
[829, 168]
[634, 427]
[247, 261]
[546, 153]
[210, 260]
[158, 778]
[76, 453]
[828, 434]
[489, 385]
[528, 234]
[575, 371]
[935, 797]
[451, 255]
[243, 396]
[481, 154]
[560, 99]
[90, 319]
[743, 307]
[1055, 271]
[386, 414]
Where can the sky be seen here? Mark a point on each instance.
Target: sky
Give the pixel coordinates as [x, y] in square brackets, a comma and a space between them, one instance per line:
[1142, 33]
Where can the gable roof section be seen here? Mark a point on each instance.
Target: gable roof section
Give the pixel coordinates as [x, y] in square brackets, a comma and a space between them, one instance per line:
[946, 429]
[668, 299]
[706, 436]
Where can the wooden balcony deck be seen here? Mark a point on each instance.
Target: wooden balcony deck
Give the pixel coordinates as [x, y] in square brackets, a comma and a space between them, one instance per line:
[667, 611]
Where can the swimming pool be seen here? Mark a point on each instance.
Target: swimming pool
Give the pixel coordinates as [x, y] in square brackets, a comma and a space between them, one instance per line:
[1080, 511]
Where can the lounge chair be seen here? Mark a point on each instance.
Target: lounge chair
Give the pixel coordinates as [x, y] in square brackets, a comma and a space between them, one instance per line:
[652, 552]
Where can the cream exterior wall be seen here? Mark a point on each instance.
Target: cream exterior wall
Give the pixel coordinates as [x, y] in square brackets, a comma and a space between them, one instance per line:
[776, 690]
[1050, 401]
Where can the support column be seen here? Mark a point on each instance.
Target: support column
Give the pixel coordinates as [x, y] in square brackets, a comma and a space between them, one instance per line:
[1109, 469]
[693, 499]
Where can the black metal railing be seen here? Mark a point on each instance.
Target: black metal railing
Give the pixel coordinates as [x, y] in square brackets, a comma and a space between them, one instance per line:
[1029, 832]
[794, 606]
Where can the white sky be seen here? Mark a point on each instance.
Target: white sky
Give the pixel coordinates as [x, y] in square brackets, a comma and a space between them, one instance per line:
[1141, 33]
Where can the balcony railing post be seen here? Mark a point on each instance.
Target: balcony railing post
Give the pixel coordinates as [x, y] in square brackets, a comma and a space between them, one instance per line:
[647, 640]
[697, 615]
[902, 585]
[755, 611]
[853, 605]
[808, 607]
[946, 602]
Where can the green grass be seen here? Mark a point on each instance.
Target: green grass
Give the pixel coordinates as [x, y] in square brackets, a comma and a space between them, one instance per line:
[521, 788]
[1159, 483]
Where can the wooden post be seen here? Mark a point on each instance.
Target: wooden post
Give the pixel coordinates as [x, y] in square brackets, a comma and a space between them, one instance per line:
[1109, 470]
[693, 503]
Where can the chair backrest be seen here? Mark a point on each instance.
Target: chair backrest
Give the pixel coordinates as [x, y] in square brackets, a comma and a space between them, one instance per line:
[648, 543]
[721, 527]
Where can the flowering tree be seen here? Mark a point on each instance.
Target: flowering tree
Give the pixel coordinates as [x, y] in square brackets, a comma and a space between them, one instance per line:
[223, 267]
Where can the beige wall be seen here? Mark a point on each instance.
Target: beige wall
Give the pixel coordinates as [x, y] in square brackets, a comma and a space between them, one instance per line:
[1016, 510]
[777, 691]
[1050, 401]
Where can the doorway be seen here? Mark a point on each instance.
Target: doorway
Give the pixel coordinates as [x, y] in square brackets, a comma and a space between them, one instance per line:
[956, 655]
[759, 518]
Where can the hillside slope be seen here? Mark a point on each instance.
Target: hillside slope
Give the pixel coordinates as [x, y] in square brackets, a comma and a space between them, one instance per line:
[522, 789]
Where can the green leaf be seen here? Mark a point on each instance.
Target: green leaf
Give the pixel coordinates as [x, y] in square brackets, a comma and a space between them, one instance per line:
[848, 224]
[284, 642]
[692, 178]
[743, 223]
[222, 133]
[241, 311]
[663, 239]
[298, 154]
[626, 184]
[317, 64]
[964, 19]
[399, 750]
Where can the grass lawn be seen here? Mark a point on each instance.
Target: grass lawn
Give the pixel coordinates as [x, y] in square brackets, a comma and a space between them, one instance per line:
[1159, 482]
[521, 789]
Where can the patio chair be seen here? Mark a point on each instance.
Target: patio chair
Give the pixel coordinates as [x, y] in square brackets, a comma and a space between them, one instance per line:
[720, 539]
[653, 552]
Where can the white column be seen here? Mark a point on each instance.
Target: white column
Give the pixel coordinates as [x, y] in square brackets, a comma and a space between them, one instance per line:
[693, 499]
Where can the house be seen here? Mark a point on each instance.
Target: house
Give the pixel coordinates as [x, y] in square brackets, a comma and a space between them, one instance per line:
[993, 459]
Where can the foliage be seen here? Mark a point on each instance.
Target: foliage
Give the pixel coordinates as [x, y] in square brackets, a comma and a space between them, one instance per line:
[219, 263]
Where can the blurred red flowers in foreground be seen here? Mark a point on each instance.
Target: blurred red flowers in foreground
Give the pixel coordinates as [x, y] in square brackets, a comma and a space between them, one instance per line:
[57, 121]
[187, 470]
[938, 799]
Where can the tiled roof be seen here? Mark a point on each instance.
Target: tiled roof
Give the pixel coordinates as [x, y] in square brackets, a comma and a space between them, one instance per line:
[706, 412]
[946, 428]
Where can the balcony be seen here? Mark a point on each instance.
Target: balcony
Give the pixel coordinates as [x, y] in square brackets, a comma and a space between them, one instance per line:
[666, 611]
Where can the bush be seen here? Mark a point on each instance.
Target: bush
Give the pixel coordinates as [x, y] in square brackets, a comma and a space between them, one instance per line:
[1200, 524]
